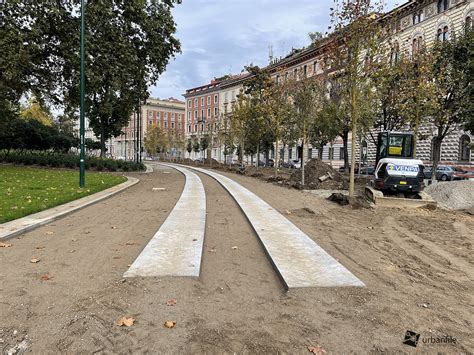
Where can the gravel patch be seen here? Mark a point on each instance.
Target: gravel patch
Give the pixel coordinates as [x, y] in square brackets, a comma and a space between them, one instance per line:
[454, 195]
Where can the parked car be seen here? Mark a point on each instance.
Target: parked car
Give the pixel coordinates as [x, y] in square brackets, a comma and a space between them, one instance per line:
[443, 173]
[199, 160]
[367, 170]
[291, 164]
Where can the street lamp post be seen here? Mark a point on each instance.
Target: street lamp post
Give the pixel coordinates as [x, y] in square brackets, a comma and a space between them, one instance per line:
[82, 157]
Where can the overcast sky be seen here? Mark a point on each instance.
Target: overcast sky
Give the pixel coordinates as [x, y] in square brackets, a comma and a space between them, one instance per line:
[219, 37]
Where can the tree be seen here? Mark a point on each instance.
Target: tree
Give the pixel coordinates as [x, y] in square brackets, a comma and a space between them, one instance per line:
[155, 140]
[189, 146]
[452, 69]
[278, 112]
[308, 96]
[34, 111]
[40, 55]
[356, 41]
[204, 143]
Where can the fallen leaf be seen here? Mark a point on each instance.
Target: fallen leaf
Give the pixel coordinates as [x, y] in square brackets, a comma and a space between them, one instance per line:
[73, 240]
[212, 250]
[129, 265]
[171, 302]
[113, 227]
[319, 350]
[45, 277]
[235, 248]
[72, 251]
[158, 189]
[34, 261]
[5, 245]
[40, 247]
[49, 233]
[130, 243]
[170, 324]
[117, 257]
[288, 212]
[125, 321]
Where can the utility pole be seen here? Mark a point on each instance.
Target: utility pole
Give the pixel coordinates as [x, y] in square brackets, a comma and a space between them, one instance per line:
[82, 156]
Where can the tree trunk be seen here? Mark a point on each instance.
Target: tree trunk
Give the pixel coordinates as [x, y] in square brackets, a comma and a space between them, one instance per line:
[353, 140]
[258, 154]
[436, 155]
[102, 140]
[277, 155]
[345, 139]
[303, 161]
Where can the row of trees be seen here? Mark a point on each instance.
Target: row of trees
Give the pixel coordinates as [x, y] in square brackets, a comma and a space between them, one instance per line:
[128, 45]
[362, 88]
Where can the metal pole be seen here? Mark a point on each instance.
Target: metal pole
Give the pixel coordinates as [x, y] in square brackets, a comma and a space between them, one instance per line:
[82, 157]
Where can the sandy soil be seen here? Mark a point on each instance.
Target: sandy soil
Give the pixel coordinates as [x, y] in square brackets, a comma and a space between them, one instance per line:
[418, 267]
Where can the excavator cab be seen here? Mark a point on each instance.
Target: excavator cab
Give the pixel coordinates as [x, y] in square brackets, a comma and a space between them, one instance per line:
[396, 169]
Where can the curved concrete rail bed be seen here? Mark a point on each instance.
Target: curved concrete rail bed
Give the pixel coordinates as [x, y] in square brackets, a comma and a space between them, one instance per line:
[299, 261]
[176, 249]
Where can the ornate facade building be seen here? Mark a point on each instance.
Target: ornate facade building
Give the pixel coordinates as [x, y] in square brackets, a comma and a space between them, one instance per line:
[169, 114]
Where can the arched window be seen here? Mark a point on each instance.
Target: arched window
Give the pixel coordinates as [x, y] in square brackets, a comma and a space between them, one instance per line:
[445, 33]
[468, 23]
[439, 34]
[443, 5]
[464, 148]
[417, 45]
[417, 17]
[394, 53]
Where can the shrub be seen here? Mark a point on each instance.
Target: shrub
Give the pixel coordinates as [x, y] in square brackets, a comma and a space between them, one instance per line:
[66, 160]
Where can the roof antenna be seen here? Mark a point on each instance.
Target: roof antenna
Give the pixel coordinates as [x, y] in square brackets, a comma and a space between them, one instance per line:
[270, 54]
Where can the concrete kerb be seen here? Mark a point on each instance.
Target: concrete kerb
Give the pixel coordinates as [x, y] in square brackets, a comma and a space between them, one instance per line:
[176, 249]
[298, 260]
[21, 225]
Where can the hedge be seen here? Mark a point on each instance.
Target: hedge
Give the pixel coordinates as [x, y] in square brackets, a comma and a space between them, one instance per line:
[67, 160]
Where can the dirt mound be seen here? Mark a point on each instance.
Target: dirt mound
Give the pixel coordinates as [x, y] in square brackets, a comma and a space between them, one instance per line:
[315, 171]
[455, 195]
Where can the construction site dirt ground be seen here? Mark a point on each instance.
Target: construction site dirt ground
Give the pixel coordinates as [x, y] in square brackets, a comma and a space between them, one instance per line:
[418, 267]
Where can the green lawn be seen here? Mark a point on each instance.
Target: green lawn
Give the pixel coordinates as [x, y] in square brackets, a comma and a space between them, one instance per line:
[24, 190]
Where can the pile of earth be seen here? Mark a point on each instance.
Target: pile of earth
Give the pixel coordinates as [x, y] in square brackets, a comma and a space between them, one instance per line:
[454, 195]
[313, 171]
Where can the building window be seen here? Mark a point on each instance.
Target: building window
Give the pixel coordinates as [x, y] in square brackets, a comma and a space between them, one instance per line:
[295, 73]
[233, 95]
[208, 100]
[310, 153]
[150, 122]
[208, 112]
[189, 115]
[195, 102]
[417, 17]
[215, 99]
[464, 148]
[286, 76]
[305, 70]
[166, 115]
[202, 114]
[202, 101]
[395, 53]
[172, 124]
[443, 5]
[468, 24]
[189, 128]
[166, 124]
[215, 111]
[189, 103]
[277, 78]
[315, 67]
[341, 153]
[150, 114]
[417, 45]
[202, 127]
[226, 97]
[290, 151]
[442, 34]
[195, 127]
[195, 114]
[331, 153]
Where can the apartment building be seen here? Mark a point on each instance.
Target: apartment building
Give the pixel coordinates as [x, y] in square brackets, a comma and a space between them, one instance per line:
[412, 25]
[169, 114]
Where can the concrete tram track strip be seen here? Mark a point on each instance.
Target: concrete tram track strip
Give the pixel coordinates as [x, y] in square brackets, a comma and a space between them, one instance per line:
[298, 260]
